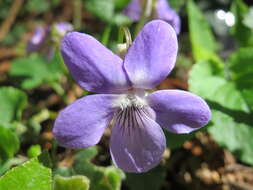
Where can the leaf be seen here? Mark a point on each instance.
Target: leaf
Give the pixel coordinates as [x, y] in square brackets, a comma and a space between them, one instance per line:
[103, 9]
[13, 101]
[248, 19]
[235, 136]
[32, 175]
[120, 4]
[37, 6]
[202, 39]
[232, 117]
[106, 11]
[240, 65]
[34, 151]
[177, 140]
[44, 158]
[153, 179]
[36, 71]
[242, 33]
[71, 183]
[9, 143]
[106, 178]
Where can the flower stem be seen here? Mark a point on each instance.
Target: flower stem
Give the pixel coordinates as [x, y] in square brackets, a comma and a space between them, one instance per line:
[77, 14]
[145, 16]
[106, 35]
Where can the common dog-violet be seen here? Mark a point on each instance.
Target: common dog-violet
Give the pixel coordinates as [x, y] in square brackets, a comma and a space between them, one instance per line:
[43, 37]
[162, 11]
[137, 140]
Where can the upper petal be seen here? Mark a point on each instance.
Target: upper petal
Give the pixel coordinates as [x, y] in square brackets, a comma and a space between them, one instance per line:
[152, 55]
[92, 65]
[179, 111]
[83, 122]
[137, 141]
[167, 14]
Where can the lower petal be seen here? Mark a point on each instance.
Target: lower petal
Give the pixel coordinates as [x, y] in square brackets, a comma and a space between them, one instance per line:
[137, 141]
[83, 122]
[179, 111]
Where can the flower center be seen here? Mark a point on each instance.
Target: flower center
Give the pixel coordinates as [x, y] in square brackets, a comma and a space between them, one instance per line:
[132, 98]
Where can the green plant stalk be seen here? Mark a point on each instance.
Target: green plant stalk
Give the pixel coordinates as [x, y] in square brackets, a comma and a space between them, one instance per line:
[77, 14]
[146, 14]
[106, 35]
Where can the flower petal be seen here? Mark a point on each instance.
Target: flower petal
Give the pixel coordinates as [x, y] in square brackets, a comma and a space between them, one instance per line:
[152, 55]
[92, 65]
[164, 12]
[83, 122]
[38, 39]
[137, 141]
[179, 111]
[133, 10]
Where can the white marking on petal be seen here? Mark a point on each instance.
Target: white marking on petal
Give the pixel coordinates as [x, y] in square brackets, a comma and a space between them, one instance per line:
[134, 98]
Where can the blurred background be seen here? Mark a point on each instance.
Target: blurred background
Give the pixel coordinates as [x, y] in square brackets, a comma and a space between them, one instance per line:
[215, 61]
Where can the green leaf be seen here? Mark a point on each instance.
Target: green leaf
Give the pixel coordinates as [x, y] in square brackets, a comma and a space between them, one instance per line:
[103, 9]
[231, 114]
[44, 158]
[177, 140]
[233, 134]
[71, 183]
[248, 19]
[120, 19]
[9, 143]
[153, 179]
[241, 68]
[120, 4]
[37, 6]
[241, 72]
[242, 33]
[202, 39]
[31, 175]
[106, 178]
[12, 103]
[34, 151]
[106, 11]
[36, 71]
[176, 4]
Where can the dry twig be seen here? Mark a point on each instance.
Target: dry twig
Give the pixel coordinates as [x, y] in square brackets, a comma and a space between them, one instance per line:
[6, 25]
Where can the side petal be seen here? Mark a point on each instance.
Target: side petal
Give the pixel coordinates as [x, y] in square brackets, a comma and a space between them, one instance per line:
[83, 122]
[164, 12]
[179, 111]
[137, 141]
[92, 65]
[152, 55]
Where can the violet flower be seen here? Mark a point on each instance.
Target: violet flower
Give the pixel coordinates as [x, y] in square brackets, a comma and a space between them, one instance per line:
[43, 35]
[137, 140]
[162, 11]
[63, 27]
[38, 39]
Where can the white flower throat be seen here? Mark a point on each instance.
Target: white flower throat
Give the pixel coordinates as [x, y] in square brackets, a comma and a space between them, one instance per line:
[133, 98]
[132, 111]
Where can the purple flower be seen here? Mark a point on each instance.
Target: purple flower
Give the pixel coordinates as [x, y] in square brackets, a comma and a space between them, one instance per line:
[133, 10]
[38, 39]
[43, 37]
[63, 27]
[162, 11]
[137, 140]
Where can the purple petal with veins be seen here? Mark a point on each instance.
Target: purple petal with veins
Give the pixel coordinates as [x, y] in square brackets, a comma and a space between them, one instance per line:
[137, 140]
